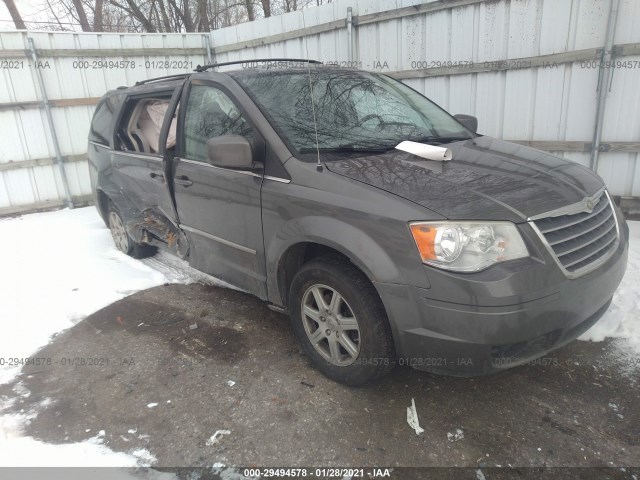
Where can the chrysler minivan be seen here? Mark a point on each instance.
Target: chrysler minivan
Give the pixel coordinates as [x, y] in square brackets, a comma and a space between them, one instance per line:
[463, 254]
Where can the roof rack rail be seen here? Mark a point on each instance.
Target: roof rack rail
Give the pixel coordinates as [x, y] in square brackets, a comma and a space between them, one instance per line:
[204, 68]
[166, 77]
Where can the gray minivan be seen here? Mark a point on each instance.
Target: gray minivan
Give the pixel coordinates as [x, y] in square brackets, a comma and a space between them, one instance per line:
[290, 181]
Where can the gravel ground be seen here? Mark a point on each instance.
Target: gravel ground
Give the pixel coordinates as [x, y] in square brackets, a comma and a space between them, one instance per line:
[167, 368]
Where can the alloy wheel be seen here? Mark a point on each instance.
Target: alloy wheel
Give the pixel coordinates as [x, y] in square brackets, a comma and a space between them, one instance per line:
[330, 325]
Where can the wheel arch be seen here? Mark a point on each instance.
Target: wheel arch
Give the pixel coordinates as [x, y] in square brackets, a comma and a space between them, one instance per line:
[102, 203]
[296, 256]
[285, 257]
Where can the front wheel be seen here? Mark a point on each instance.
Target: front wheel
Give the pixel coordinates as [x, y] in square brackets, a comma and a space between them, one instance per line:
[340, 321]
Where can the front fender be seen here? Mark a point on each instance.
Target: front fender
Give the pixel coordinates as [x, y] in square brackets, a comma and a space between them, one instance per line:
[366, 253]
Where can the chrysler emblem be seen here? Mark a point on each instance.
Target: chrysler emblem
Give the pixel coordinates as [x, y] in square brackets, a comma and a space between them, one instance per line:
[586, 205]
[589, 204]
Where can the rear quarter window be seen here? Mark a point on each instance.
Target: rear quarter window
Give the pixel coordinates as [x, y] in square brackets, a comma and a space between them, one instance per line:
[103, 118]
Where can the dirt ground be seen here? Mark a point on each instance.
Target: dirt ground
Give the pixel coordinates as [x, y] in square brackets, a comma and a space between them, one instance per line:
[166, 368]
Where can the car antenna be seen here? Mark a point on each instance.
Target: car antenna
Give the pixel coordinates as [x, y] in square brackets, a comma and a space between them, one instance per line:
[313, 106]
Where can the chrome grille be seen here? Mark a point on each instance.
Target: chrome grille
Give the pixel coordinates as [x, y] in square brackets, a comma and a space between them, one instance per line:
[582, 240]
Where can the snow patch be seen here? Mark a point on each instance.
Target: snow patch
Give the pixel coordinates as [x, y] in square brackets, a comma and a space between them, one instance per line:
[17, 450]
[28, 452]
[144, 456]
[61, 267]
[177, 270]
[456, 436]
[67, 260]
[215, 438]
[622, 320]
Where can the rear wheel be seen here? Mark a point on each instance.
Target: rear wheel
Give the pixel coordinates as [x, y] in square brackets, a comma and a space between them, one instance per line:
[340, 321]
[123, 240]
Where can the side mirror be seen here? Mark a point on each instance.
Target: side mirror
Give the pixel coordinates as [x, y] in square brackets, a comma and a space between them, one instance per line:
[468, 121]
[230, 151]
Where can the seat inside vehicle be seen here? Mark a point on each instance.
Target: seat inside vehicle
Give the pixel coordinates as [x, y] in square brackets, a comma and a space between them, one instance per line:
[142, 131]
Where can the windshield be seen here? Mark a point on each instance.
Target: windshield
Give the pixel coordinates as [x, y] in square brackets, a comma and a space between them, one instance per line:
[354, 110]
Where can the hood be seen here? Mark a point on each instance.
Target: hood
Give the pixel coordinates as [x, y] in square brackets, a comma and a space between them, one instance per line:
[488, 179]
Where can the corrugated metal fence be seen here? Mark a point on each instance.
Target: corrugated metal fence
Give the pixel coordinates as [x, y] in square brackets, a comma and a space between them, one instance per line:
[76, 70]
[530, 70]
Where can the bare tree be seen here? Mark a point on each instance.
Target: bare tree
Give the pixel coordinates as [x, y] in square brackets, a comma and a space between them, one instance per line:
[82, 16]
[133, 9]
[15, 14]
[183, 14]
[165, 18]
[97, 17]
[59, 25]
[162, 15]
[266, 8]
[290, 5]
[202, 16]
[188, 17]
[250, 13]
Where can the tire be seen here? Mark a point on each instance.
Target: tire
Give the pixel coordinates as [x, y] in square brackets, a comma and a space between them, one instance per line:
[349, 341]
[122, 239]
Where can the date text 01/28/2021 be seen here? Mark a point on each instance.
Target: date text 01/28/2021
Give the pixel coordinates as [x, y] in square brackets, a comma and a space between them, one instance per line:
[317, 472]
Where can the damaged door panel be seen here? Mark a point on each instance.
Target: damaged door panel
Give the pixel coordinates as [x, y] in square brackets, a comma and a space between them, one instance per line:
[143, 148]
[157, 230]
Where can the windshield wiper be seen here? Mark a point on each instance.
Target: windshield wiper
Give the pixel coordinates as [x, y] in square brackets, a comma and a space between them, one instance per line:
[440, 140]
[348, 148]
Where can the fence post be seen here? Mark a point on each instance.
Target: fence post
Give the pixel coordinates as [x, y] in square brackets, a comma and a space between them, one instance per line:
[207, 45]
[350, 34]
[604, 78]
[52, 130]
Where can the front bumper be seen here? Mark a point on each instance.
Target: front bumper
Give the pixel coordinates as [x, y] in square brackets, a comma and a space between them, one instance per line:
[510, 314]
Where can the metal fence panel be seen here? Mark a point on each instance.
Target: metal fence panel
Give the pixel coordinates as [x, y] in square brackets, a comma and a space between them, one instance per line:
[72, 72]
[454, 52]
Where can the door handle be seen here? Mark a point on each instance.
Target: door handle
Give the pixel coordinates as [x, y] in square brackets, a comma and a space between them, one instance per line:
[182, 180]
[158, 177]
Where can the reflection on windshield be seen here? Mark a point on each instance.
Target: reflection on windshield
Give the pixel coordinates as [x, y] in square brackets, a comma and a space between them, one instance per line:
[354, 110]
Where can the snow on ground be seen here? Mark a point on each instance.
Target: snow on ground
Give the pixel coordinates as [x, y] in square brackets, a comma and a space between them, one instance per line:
[17, 450]
[622, 319]
[59, 267]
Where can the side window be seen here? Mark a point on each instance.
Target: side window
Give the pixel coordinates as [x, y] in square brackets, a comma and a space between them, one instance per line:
[139, 128]
[210, 113]
[102, 119]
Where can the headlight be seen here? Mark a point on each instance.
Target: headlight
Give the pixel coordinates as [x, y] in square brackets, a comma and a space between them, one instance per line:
[467, 246]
